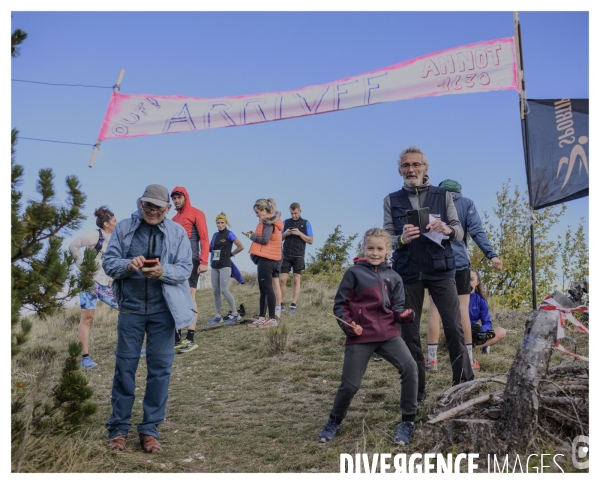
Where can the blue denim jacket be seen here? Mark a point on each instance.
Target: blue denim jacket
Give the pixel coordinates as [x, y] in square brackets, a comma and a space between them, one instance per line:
[176, 261]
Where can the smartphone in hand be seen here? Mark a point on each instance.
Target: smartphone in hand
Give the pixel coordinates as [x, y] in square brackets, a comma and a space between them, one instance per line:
[419, 218]
[150, 262]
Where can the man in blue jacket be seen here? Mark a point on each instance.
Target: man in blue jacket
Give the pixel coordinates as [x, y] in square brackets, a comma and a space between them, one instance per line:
[154, 300]
[471, 224]
[426, 260]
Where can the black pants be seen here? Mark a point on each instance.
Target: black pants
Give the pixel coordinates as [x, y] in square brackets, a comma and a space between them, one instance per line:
[264, 271]
[356, 359]
[445, 297]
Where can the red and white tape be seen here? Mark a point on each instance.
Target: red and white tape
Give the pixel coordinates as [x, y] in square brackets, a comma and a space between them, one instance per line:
[565, 314]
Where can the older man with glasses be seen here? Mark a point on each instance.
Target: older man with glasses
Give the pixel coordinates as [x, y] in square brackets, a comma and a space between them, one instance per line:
[150, 259]
[427, 261]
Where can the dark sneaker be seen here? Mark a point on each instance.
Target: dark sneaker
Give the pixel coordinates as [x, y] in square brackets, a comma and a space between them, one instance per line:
[150, 444]
[87, 362]
[404, 433]
[191, 345]
[181, 344]
[376, 357]
[117, 444]
[231, 319]
[282, 307]
[329, 431]
[421, 399]
[215, 320]
[242, 310]
[292, 308]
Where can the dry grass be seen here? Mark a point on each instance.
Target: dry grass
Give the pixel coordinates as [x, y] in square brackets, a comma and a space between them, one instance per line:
[233, 407]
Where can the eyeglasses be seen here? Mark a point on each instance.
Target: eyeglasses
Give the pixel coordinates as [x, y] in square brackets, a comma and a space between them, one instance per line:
[415, 166]
[150, 209]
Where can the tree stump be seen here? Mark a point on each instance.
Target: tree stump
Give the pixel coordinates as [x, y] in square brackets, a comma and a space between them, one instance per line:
[472, 435]
[521, 398]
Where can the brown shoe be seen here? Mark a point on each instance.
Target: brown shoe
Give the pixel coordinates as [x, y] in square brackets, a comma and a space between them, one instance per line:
[150, 443]
[117, 444]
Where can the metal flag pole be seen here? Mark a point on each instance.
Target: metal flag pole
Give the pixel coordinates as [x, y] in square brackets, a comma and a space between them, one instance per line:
[116, 88]
[525, 132]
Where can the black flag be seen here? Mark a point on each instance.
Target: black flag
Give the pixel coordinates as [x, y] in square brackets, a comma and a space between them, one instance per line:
[558, 136]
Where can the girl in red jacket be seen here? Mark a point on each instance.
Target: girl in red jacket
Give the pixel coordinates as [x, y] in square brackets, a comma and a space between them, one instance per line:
[368, 303]
[265, 252]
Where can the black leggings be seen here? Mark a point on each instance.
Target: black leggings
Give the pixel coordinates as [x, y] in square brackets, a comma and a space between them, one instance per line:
[264, 270]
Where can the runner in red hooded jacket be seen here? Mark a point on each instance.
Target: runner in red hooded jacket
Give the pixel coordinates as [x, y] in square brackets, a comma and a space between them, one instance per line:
[194, 223]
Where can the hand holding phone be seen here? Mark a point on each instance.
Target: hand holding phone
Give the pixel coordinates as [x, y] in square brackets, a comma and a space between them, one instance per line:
[150, 262]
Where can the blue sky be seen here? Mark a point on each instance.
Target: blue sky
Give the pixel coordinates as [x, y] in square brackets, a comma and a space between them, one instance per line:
[338, 166]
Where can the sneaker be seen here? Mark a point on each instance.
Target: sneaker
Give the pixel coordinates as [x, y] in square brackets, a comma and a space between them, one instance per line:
[87, 362]
[191, 345]
[431, 365]
[329, 431]
[215, 320]
[404, 433]
[150, 444]
[282, 307]
[256, 323]
[292, 308]
[376, 357]
[181, 344]
[268, 323]
[242, 310]
[475, 365]
[422, 398]
[142, 352]
[485, 350]
[231, 319]
[117, 444]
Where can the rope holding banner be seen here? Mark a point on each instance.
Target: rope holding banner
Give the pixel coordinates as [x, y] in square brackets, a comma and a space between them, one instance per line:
[116, 88]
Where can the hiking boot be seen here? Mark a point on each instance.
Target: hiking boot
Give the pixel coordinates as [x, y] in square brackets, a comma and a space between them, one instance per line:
[329, 431]
[191, 345]
[215, 320]
[475, 365]
[231, 319]
[376, 357]
[181, 344]
[142, 352]
[404, 433]
[257, 321]
[150, 444]
[87, 362]
[117, 444]
[431, 365]
[292, 308]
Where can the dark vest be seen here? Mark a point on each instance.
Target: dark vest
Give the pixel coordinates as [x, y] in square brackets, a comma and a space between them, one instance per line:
[293, 245]
[222, 244]
[422, 258]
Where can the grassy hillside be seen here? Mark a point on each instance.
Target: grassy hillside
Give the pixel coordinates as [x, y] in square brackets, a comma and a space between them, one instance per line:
[234, 408]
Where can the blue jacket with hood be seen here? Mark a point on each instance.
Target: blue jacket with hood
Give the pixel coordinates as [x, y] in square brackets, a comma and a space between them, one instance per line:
[176, 261]
[471, 223]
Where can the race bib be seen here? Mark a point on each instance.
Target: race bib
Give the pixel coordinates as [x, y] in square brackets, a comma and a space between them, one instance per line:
[216, 254]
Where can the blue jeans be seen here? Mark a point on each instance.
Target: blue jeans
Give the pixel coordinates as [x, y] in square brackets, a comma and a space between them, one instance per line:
[160, 341]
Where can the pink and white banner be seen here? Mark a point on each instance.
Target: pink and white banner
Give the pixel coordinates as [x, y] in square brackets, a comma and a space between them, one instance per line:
[480, 67]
